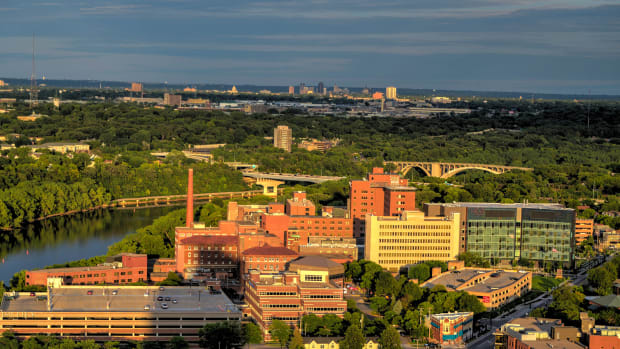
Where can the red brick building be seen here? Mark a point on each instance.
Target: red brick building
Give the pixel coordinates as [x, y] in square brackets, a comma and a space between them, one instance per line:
[208, 256]
[380, 194]
[267, 259]
[299, 205]
[119, 269]
[312, 285]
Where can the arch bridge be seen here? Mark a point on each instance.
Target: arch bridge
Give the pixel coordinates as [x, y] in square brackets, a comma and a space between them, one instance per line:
[449, 169]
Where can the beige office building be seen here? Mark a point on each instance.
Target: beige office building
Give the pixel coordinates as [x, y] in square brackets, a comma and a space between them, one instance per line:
[283, 137]
[394, 242]
[390, 92]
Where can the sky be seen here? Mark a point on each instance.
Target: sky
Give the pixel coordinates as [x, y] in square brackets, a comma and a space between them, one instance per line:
[551, 46]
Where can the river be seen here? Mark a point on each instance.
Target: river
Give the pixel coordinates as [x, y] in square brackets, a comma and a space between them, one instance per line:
[68, 238]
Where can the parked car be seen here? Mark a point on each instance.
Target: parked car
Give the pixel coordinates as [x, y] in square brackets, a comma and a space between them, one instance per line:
[164, 306]
[89, 292]
[160, 298]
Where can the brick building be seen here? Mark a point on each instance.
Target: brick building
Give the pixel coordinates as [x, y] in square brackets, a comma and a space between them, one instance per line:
[123, 268]
[534, 333]
[267, 259]
[452, 328]
[310, 285]
[493, 288]
[380, 194]
[584, 228]
[299, 205]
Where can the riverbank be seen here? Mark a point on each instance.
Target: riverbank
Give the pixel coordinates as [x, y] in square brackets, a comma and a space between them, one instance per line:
[151, 202]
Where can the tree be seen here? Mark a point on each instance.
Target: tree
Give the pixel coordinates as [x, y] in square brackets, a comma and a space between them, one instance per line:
[221, 335]
[173, 279]
[386, 285]
[297, 341]
[353, 338]
[280, 331]
[421, 272]
[601, 279]
[469, 302]
[566, 303]
[390, 339]
[8, 340]
[473, 260]
[252, 334]
[177, 342]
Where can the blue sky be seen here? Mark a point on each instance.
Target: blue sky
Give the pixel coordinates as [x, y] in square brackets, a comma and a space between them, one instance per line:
[569, 46]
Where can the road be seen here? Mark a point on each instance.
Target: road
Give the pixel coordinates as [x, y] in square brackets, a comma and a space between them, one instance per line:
[487, 341]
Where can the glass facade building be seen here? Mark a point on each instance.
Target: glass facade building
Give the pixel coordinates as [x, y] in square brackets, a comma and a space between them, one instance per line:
[510, 232]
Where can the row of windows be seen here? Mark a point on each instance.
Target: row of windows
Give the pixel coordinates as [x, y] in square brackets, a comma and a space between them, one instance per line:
[265, 267]
[209, 255]
[321, 296]
[215, 248]
[416, 226]
[325, 309]
[330, 220]
[265, 259]
[416, 241]
[274, 293]
[415, 233]
[391, 255]
[413, 248]
[408, 261]
[280, 306]
[209, 262]
[282, 318]
[313, 278]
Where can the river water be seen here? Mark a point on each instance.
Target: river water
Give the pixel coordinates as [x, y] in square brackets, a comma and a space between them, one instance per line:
[68, 238]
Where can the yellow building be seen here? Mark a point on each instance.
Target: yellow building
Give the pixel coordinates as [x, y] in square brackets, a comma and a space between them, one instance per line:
[334, 343]
[390, 92]
[394, 242]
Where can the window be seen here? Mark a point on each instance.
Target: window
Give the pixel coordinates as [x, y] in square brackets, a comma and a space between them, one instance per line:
[313, 278]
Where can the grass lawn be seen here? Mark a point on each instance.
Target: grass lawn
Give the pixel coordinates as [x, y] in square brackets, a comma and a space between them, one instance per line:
[543, 283]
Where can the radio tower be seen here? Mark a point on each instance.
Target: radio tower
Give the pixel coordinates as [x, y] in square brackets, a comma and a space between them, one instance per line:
[34, 94]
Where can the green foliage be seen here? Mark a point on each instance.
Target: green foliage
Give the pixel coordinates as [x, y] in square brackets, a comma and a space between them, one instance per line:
[473, 260]
[297, 341]
[221, 335]
[390, 339]
[173, 279]
[327, 325]
[544, 283]
[601, 279]
[280, 332]
[567, 303]
[156, 239]
[421, 272]
[252, 333]
[353, 338]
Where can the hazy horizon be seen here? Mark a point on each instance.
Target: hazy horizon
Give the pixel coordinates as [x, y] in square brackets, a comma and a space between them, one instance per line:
[547, 46]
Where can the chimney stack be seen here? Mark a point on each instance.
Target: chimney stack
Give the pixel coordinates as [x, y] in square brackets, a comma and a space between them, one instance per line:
[189, 217]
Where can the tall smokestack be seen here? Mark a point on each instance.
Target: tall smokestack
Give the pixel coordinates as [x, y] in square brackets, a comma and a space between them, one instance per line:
[189, 218]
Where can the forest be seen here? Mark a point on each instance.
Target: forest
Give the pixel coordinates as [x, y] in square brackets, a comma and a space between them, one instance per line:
[573, 148]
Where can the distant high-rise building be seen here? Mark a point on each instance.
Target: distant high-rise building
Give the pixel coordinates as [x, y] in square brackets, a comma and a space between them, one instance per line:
[2, 83]
[320, 88]
[174, 100]
[136, 87]
[390, 92]
[291, 90]
[377, 95]
[283, 137]
[309, 89]
[336, 88]
[365, 91]
[302, 89]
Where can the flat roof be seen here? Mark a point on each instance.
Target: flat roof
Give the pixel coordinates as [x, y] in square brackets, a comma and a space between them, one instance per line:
[495, 279]
[498, 205]
[127, 299]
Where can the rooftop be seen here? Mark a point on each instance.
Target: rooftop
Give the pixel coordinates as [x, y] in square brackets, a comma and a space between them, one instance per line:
[128, 298]
[452, 316]
[497, 205]
[492, 279]
[268, 250]
[211, 239]
[316, 263]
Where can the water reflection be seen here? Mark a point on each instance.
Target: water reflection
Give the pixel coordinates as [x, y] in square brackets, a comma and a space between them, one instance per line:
[66, 238]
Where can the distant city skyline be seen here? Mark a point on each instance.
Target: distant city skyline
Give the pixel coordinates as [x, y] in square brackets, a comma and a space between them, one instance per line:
[547, 46]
